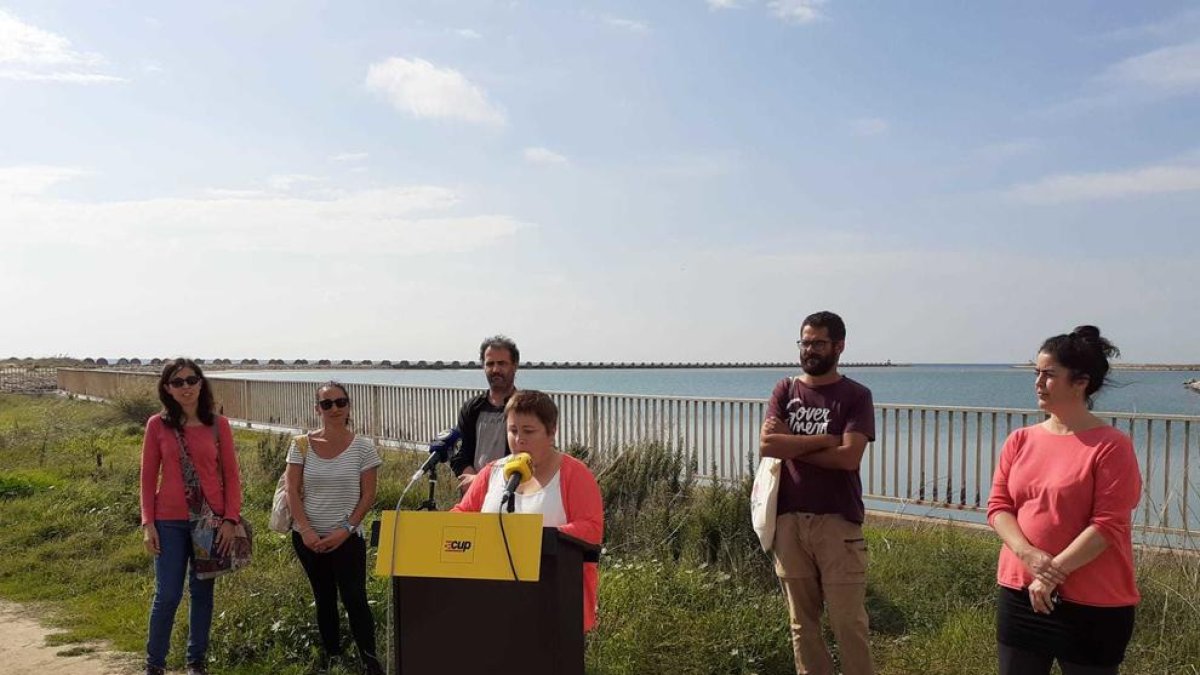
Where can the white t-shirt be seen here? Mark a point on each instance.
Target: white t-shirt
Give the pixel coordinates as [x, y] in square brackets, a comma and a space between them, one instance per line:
[331, 486]
[547, 501]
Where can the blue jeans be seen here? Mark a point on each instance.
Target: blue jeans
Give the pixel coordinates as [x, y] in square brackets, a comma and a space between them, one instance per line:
[170, 565]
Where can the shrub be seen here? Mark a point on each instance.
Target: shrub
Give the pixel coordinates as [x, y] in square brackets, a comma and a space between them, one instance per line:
[133, 406]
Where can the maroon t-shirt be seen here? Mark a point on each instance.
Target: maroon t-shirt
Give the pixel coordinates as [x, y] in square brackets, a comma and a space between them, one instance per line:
[836, 408]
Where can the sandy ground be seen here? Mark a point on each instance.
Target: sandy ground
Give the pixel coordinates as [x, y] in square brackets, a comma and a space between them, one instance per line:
[23, 649]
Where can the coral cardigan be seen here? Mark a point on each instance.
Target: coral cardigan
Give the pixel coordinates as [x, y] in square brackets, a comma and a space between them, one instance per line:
[585, 517]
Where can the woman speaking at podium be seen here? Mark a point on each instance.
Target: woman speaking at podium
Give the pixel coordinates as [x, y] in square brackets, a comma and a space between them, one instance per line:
[561, 487]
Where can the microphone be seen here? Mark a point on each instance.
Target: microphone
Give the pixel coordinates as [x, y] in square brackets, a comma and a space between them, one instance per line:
[517, 470]
[439, 450]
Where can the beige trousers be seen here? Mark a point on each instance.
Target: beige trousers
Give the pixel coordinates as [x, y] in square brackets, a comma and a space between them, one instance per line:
[821, 561]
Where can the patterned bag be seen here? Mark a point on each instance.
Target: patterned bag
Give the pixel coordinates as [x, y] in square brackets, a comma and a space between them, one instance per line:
[207, 562]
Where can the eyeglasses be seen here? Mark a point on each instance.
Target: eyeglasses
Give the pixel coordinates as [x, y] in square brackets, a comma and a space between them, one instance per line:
[328, 403]
[819, 345]
[180, 382]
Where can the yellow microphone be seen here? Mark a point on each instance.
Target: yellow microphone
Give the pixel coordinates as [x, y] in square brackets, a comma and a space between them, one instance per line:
[517, 470]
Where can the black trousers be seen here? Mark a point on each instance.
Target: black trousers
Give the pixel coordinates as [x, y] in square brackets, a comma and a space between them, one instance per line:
[342, 570]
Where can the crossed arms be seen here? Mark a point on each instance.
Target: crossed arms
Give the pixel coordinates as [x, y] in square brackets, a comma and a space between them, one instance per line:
[824, 450]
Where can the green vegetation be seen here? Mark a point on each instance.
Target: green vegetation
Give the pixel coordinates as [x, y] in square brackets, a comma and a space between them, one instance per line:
[684, 587]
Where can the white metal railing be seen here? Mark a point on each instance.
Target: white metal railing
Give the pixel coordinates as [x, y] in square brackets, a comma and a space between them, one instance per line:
[27, 379]
[940, 457]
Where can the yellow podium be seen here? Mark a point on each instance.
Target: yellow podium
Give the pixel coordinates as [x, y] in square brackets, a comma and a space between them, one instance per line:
[480, 593]
[460, 545]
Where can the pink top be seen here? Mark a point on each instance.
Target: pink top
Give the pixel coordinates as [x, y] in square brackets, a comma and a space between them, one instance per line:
[1056, 486]
[585, 517]
[162, 495]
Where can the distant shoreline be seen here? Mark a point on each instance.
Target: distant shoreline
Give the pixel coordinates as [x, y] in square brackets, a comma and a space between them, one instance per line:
[221, 365]
[1182, 367]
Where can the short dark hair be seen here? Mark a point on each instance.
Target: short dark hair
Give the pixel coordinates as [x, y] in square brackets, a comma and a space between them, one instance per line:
[1085, 354]
[534, 402]
[500, 342]
[829, 321]
[172, 412]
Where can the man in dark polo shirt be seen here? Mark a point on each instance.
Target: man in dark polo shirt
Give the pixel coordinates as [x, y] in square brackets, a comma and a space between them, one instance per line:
[819, 424]
[481, 419]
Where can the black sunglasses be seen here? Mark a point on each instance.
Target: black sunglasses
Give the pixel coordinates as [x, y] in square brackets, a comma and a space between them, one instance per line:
[190, 380]
[327, 403]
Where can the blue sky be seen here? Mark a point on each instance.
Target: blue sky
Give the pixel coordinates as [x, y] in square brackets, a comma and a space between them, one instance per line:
[603, 180]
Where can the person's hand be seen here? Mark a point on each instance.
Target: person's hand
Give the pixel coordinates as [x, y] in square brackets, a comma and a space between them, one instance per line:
[1041, 596]
[225, 536]
[331, 541]
[1042, 566]
[150, 539]
[774, 425]
[464, 482]
[310, 538]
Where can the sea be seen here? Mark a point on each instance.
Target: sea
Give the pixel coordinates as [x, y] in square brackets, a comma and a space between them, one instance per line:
[987, 386]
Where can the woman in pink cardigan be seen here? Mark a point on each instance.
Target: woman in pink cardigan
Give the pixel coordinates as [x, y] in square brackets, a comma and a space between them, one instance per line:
[1062, 500]
[562, 488]
[188, 415]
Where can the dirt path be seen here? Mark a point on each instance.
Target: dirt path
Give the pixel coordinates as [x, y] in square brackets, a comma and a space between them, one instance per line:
[23, 649]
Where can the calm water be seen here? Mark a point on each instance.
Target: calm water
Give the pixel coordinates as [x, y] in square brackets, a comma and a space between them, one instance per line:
[999, 386]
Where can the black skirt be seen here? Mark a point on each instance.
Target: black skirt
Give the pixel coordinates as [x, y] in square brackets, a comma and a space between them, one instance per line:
[1080, 634]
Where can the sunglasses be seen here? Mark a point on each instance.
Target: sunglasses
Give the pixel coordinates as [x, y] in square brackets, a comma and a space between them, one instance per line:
[328, 403]
[180, 382]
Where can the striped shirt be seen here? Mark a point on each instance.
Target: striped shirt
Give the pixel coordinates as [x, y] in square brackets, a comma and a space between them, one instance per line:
[331, 486]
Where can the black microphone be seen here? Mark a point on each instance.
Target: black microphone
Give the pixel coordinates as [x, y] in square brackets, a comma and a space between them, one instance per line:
[518, 469]
[439, 450]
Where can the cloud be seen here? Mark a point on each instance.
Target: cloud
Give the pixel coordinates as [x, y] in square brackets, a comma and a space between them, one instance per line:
[284, 182]
[399, 220]
[724, 4]
[1173, 69]
[468, 33]
[628, 24]
[34, 180]
[797, 11]
[869, 126]
[30, 54]
[348, 157]
[425, 91]
[543, 156]
[1152, 180]
[1185, 23]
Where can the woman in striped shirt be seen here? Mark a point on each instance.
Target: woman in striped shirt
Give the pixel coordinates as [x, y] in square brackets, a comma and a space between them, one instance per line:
[331, 487]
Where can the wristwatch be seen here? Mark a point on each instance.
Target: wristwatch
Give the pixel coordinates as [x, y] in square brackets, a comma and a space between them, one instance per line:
[349, 528]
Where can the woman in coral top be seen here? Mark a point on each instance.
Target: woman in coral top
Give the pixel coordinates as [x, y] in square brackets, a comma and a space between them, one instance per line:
[188, 414]
[1062, 499]
[562, 488]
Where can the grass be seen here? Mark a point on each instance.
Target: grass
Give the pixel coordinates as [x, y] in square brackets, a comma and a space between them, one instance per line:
[684, 587]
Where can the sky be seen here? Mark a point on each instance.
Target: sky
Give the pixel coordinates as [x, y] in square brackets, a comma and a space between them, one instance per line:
[671, 181]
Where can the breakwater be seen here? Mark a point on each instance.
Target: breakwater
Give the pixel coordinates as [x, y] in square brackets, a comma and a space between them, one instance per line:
[138, 364]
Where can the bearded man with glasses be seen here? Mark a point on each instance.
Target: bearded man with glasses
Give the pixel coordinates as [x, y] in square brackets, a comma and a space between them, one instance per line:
[819, 424]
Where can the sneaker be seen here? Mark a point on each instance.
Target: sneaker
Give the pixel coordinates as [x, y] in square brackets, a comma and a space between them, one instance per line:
[197, 669]
[155, 670]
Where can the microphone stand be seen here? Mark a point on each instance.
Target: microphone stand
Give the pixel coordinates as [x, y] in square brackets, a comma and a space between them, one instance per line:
[430, 503]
